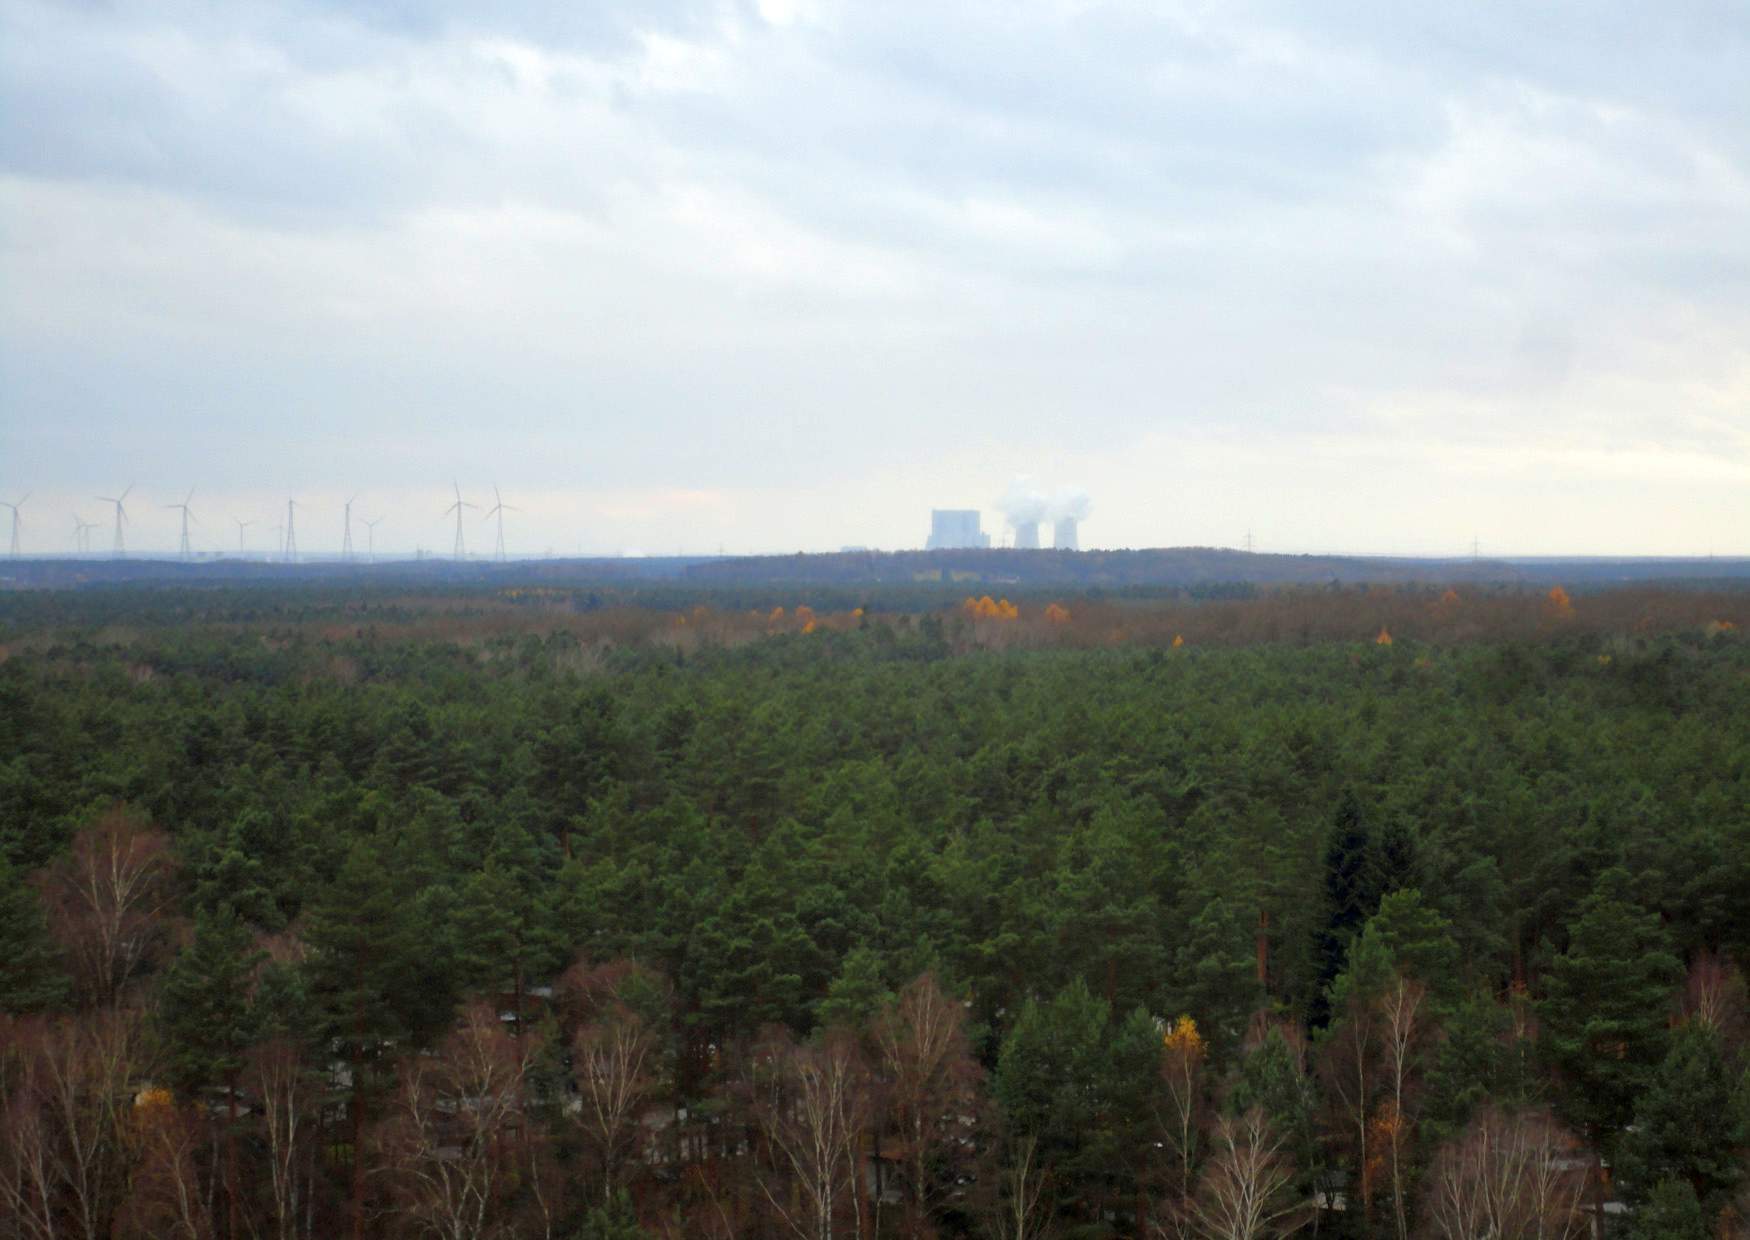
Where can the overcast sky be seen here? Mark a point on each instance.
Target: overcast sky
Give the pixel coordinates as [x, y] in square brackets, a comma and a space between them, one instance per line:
[785, 274]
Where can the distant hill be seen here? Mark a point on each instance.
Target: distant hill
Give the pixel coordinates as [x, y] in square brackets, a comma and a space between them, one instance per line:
[1187, 567]
[993, 569]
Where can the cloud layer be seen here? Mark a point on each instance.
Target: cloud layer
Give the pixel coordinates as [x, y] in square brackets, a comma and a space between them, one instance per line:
[785, 274]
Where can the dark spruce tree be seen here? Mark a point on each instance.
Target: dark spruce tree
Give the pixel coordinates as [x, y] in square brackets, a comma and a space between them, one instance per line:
[1351, 895]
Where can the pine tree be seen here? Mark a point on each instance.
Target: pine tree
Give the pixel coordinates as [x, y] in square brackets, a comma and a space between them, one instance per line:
[1604, 1010]
[1217, 973]
[1670, 1213]
[1689, 1124]
[857, 993]
[209, 1021]
[374, 980]
[204, 1002]
[1419, 942]
[31, 977]
[1351, 896]
[1478, 1060]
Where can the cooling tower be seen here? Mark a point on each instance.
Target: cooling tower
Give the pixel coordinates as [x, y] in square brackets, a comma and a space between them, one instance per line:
[1027, 536]
[1063, 534]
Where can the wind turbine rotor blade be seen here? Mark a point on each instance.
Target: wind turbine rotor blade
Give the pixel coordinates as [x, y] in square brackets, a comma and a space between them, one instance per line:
[126, 493]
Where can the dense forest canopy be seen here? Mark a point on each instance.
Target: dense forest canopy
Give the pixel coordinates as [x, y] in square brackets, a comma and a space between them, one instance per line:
[534, 911]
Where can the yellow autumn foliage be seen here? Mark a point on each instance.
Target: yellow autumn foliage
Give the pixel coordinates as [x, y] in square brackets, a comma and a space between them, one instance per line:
[1384, 638]
[1182, 1038]
[987, 608]
[1057, 613]
[152, 1098]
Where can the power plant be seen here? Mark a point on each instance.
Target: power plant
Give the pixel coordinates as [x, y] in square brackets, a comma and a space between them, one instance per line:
[954, 529]
[1026, 508]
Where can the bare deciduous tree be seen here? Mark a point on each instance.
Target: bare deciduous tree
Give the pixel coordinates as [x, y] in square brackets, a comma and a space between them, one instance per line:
[1510, 1177]
[1713, 995]
[1402, 1030]
[289, 1102]
[106, 902]
[812, 1105]
[931, 1086]
[170, 1193]
[1183, 1059]
[1349, 1064]
[1021, 1210]
[614, 1056]
[1246, 1191]
[63, 1163]
[451, 1142]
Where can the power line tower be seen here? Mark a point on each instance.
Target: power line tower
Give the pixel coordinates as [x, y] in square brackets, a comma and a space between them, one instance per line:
[291, 532]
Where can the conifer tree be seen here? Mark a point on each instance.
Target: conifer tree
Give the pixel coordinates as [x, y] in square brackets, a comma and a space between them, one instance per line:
[1605, 1008]
[1671, 1212]
[373, 980]
[209, 1020]
[31, 977]
[1690, 1123]
[204, 1002]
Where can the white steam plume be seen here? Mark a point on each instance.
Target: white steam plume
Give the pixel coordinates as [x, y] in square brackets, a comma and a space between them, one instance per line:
[1071, 502]
[1023, 503]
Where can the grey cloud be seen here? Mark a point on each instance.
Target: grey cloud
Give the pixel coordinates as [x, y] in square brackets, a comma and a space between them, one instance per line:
[806, 250]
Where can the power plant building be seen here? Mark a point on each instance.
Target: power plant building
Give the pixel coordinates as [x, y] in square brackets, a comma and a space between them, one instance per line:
[955, 529]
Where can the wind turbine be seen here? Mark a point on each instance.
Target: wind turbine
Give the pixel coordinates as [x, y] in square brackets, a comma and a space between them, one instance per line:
[291, 532]
[371, 536]
[121, 516]
[15, 507]
[457, 509]
[346, 541]
[241, 526]
[498, 509]
[183, 549]
[82, 534]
